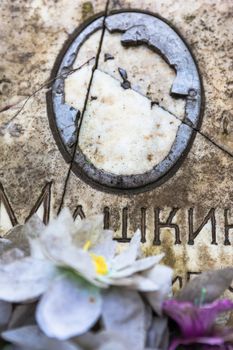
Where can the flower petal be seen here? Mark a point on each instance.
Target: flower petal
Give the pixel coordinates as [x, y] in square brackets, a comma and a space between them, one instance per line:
[57, 236]
[5, 244]
[23, 315]
[69, 308]
[59, 247]
[128, 256]
[214, 283]
[60, 230]
[78, 260]
[31, 338]
[17, 236]
[88, 229]
[34, 228]
[195, 321]
[226, 346]
[211, 340]
[5, 312]
[103, 340]
[158, 335]
[25, 279]
[74, 258]
[137, 266]
[162, 276]
[137, 282]
[123, 312]
[11, 255]
[106, 246]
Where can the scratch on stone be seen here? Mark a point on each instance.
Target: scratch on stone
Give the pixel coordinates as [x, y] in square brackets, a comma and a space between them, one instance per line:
[46, 84]
[85, 105]
[5, 108]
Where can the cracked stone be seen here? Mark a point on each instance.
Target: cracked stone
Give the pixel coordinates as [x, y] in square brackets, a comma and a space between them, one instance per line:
[204, 179]
[76, 84]
[122, 124]
[147, 72]
[207, 27]
[32, 159]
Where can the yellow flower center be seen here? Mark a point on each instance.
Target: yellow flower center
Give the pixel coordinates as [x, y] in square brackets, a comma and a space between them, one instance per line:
[100, 263]
[101, 267]
[87, 246]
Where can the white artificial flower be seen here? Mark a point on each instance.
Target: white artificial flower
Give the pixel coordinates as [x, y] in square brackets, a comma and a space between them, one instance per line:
[75, 268]
[91, 251]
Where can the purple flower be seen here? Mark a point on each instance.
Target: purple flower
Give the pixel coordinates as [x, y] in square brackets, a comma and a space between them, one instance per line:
[196, 324]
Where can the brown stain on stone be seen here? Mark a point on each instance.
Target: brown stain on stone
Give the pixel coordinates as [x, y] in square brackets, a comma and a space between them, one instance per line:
[189, 18]
[205, 257]
[109, 100]
[87, 10]
[150, 157]
[148, 137]
[167, 247]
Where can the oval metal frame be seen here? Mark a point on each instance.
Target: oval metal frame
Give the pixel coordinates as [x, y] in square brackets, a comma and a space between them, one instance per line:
[137, 27]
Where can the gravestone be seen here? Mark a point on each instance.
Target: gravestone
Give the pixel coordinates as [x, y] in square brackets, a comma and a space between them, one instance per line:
[109, 109]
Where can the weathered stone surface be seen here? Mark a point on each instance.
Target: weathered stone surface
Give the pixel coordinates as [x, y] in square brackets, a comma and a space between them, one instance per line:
[206, 26]
[32, 33]
[76, 84]
[197, 197]
[191, 190]
[121, 123]
[201, 188]
[147, 72]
